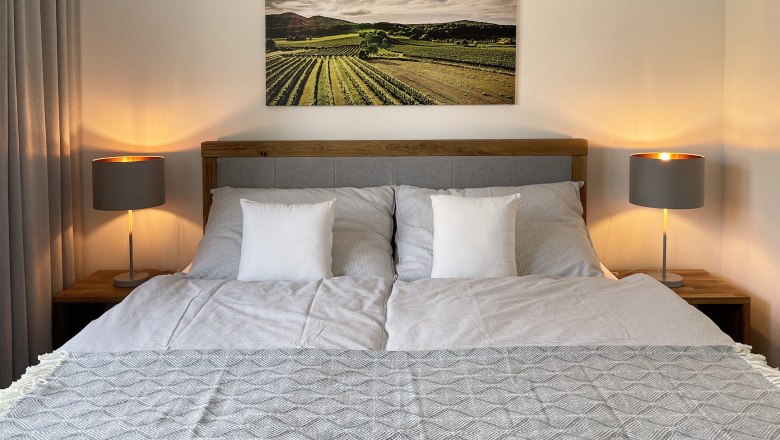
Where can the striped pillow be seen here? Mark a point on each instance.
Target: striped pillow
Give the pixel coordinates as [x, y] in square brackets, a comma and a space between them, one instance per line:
[550, 234]
[362, 229]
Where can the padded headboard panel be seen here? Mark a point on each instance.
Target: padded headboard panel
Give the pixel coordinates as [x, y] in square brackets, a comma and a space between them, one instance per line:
[439, 172]
[431, 164]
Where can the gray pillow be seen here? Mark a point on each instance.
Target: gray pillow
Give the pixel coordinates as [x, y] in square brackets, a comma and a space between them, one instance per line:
[550, 234]
[362, 229]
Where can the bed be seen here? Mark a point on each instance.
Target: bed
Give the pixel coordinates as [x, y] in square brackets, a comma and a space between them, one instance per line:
[387, 345]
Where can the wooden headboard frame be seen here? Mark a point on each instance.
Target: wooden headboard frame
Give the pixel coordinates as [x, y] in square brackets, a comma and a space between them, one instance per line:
[211, 151]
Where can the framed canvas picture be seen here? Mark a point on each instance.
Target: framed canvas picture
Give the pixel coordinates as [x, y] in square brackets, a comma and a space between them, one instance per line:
[406, 52]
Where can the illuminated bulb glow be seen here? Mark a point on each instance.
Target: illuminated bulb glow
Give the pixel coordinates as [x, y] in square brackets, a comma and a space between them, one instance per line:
[127, 158]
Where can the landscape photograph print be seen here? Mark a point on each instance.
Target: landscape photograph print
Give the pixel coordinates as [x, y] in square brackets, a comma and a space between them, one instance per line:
[390, 52]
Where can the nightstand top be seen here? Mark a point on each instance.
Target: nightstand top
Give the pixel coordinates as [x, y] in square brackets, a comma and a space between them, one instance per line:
[701, 287]
[98, 288]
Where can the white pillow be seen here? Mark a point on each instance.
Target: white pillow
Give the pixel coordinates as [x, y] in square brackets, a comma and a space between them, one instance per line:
[286, 242]
[362, 229]
[474, 237]
[550, 234]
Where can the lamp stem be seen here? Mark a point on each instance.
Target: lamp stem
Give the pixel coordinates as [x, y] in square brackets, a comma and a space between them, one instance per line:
[130, 238]
[132, 278]
[666, 216]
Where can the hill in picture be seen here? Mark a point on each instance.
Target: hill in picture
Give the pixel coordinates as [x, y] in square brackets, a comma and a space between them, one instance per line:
[463, 54]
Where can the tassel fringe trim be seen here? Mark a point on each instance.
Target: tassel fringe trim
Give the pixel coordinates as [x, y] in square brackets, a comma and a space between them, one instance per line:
[758, 362]
[34, 375]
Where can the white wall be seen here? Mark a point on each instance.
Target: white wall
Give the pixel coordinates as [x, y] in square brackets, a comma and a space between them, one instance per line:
[751, 229]
[629, 75]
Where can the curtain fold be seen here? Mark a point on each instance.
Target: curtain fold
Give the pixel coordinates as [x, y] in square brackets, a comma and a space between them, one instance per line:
[40, 206]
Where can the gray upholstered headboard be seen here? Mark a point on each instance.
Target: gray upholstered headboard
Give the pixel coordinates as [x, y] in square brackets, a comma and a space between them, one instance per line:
[430, 164]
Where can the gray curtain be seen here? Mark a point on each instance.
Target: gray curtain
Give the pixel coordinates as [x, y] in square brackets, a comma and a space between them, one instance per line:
[39, 172]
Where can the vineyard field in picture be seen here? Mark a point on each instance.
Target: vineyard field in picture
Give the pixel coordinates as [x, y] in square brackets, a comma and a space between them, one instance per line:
[328, 61]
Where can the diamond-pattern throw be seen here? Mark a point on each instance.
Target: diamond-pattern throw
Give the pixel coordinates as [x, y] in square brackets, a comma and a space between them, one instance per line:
[485, 393]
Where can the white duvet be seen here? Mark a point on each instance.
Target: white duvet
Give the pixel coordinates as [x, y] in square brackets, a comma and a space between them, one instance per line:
[536, 310]
[174, 312]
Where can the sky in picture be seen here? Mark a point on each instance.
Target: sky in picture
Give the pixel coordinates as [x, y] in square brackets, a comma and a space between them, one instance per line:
[401, 11]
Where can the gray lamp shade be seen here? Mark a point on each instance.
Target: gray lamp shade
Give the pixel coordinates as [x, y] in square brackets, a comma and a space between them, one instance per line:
[128, 182]
[667, 180]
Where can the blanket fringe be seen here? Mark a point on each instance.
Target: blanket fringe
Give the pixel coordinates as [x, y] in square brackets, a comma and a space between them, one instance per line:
[758, 362]
[33, 376]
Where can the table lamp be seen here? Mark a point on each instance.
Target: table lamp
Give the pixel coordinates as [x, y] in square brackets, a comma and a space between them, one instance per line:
[667, 181]
[125, 183]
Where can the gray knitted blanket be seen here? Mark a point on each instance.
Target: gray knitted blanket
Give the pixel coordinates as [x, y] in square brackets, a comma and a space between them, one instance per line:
[487, 393]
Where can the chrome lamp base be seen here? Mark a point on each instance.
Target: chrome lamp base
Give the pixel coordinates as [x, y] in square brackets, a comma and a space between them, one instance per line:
[670, 280]
[128, 279]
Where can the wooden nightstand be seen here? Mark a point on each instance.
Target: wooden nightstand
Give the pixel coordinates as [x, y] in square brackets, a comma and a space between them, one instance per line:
[85, 301]
[726, 305]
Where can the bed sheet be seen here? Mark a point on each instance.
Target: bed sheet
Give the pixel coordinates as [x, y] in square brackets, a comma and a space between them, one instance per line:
[536, 310]
[528, 357]
[173, 312]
